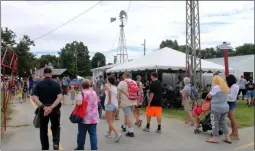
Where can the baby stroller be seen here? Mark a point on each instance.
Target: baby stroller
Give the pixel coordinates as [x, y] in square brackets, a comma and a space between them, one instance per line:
[206, 125]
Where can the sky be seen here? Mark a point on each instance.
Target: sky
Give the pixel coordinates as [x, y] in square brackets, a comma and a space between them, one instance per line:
[231, 21]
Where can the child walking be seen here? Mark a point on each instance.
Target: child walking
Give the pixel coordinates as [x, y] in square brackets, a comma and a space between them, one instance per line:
[73, 95]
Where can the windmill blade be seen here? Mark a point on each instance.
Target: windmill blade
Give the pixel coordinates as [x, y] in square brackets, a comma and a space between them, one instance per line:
[113, 19]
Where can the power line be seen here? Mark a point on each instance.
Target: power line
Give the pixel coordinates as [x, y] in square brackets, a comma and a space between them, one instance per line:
[114, 41]
[129, 6]
[68, 21]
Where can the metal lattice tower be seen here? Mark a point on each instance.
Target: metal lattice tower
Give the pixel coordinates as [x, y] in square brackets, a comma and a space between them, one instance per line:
[193, 58]
[122, 52]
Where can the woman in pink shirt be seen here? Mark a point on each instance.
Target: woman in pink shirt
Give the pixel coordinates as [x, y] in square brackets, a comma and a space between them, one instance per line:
[90, 119]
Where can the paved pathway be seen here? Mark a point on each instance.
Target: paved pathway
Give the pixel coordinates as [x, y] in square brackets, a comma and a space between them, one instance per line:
[176, 135]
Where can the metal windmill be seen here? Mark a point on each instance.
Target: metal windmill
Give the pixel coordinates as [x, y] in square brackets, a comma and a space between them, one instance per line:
[122, 49]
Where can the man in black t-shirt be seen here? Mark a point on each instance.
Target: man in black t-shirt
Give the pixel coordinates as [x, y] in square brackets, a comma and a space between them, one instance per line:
[47, 95]
[154, 107]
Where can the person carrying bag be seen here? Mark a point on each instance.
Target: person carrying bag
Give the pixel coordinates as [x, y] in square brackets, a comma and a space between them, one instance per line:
[86, 116]
[79, 111]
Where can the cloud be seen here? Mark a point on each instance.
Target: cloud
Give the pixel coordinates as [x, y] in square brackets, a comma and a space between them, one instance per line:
[231, 21]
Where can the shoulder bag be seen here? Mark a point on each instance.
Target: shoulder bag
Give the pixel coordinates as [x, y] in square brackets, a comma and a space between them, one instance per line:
[79, 111]
[36, 121]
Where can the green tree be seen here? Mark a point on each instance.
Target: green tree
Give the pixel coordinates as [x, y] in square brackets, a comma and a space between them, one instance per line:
[25, 57]
[170, 44]
[98, 60]
[22, 49]
[245, 49]
[208, 53]
[75, 57]
[8, 36]
[45, 59]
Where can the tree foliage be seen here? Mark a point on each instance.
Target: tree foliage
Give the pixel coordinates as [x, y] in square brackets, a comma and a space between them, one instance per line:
[46, 59]
[98, 60]
[75, 57]
[245, 49]
[170, 44]
[22, 49]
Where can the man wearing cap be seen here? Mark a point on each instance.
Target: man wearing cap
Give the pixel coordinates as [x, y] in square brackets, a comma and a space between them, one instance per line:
[47, 95]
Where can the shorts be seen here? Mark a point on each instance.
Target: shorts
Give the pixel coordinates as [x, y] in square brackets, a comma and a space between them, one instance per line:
[187, 105]
[250, 94]
[232, 105]
[110, 107]
[154, 111]
[128, 110]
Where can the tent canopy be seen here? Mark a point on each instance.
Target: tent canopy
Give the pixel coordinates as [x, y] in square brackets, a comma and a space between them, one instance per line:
[165, 58]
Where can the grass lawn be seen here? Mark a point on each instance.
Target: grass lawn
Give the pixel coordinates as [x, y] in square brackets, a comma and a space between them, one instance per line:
[244, 114]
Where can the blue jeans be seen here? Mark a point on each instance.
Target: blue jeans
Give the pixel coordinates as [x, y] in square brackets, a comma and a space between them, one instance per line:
[82, 131]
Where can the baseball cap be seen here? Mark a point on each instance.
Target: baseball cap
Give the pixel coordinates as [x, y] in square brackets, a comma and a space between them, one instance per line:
[47, 70]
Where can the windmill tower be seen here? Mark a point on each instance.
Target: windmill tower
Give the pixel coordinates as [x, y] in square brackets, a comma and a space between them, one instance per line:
[122, 55]
[193, 55]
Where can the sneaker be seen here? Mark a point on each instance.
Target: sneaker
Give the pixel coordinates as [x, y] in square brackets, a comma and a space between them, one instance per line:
[118, 137]
[107, 135]
[158, 131]
[55, 147]
[124, 129]
[146, 129]
[130, 134]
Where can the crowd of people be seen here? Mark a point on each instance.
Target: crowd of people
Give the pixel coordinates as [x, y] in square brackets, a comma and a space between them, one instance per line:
[128, 95]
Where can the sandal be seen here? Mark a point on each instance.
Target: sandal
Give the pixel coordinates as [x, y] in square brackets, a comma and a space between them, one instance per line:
[211, 141]
[227, 141]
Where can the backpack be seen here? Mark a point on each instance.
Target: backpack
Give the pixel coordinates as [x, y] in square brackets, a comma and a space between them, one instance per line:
[194, 93]
[133, 90]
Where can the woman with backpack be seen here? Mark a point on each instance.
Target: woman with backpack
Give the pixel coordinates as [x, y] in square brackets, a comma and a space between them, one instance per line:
[186, 101]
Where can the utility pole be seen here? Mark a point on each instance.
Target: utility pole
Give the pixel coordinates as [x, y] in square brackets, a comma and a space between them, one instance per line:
[144, 47]
[98, 63]
[76, 59]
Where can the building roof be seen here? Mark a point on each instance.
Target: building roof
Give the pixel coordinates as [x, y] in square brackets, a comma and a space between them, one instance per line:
[104, 67]
[243, 63]
[240, 64]
[58, 71]
[165, 58]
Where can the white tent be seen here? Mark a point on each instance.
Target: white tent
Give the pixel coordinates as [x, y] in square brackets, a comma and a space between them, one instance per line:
[165, 58]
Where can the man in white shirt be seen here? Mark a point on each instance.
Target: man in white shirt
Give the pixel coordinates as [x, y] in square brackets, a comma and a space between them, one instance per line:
[126, 104]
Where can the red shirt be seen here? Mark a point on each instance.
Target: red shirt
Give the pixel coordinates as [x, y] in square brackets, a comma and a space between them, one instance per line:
[197, 110]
